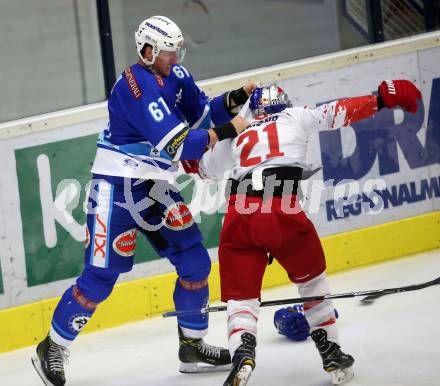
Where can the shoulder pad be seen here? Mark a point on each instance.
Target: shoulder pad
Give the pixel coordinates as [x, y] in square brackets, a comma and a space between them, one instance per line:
[180, 72]
[290, 111]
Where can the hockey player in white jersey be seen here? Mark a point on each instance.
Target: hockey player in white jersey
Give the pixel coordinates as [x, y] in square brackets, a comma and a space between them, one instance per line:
[266, 162]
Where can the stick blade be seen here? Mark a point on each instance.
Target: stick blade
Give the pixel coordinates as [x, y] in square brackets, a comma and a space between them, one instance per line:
[368, 300]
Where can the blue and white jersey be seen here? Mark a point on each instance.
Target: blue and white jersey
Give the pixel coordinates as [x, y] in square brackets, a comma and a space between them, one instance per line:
[154, 122]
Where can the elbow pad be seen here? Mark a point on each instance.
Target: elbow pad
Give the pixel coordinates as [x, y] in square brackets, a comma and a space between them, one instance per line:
[234, 100]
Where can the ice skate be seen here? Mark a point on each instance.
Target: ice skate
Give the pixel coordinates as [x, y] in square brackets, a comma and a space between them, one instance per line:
[243, 363]
[198, 357]
[49, 362]
[334, 361]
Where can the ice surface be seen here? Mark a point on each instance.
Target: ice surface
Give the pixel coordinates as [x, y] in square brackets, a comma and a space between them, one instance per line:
[395, 341]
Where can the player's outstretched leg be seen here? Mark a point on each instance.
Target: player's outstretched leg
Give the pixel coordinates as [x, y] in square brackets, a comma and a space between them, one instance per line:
[69, 318]
[321, 317]
[243, 362]
[334, 361]
[49, 362]
[196, 356]
[72, 313]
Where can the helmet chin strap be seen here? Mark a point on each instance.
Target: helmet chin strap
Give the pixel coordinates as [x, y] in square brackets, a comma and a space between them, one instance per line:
[147, 62]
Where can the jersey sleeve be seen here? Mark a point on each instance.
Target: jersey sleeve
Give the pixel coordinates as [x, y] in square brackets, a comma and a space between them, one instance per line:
[161, 127]
[219, 112]
[192, 101]
[216, 161]
[199, 111]
[336, 114]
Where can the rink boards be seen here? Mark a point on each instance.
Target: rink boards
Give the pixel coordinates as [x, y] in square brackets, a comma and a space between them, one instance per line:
[391, 161]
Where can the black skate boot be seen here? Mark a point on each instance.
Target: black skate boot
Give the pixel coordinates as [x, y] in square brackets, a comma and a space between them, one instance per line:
[198, 357]
[49, 362]
[243, 362]
[334, 361]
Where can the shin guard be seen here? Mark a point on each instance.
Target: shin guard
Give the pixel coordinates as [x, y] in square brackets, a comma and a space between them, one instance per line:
[319, 314]
[189, 295]
[242, 318]
[71, 315]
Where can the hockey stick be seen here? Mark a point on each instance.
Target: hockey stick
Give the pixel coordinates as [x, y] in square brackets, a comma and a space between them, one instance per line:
[345, 295]
[367, 300]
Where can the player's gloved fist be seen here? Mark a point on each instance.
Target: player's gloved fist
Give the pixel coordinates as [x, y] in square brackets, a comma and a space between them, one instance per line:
[401, 93]
[292, 323]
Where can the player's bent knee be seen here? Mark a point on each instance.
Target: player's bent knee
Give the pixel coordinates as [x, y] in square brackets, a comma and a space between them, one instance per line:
[193, 285]
[316, 286]
[96, 284]
[194, 264]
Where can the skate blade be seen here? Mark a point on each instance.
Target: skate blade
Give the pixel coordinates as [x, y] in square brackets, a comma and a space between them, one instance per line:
[200, 367]
[242, 377]
[342, 375]
[37, 366]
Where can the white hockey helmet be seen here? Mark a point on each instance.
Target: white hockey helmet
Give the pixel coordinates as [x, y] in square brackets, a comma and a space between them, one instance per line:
[162, 34]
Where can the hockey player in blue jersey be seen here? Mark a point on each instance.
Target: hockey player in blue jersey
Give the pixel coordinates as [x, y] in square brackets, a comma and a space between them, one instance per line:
[157, 117]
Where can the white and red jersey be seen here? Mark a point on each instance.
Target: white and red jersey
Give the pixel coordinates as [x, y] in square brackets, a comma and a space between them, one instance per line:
[281, 139]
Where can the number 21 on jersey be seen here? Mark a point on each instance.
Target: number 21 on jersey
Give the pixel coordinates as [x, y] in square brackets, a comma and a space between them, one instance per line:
[253, 138]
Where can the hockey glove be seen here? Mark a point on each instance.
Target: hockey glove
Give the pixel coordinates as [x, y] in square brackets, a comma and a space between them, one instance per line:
[292, 323]
[401, 93]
